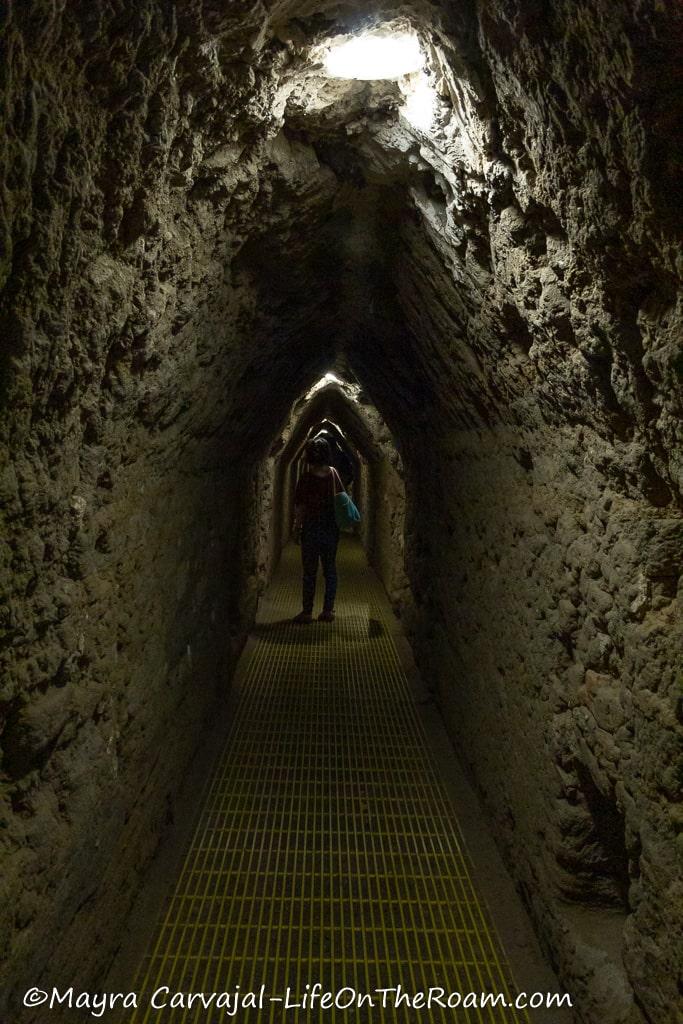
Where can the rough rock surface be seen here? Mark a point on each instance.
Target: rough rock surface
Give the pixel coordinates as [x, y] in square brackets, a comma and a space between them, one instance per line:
[194, 226]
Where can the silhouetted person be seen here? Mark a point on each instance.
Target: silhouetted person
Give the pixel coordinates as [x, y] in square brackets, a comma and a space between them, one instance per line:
[314, 517]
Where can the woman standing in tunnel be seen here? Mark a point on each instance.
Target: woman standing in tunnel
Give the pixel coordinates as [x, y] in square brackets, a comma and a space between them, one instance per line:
[314, 518]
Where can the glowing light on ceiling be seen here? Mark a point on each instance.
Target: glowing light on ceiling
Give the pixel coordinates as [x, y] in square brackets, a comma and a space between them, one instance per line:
[328, 378]
[373, 57]
[350, 390]
[419, 108]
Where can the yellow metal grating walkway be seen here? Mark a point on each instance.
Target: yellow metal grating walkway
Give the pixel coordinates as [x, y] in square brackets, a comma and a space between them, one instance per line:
[327, 850]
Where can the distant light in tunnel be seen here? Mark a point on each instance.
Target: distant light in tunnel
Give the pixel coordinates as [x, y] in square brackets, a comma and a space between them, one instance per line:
[372, 57]
[419, 108]
[336, 426]
[350, 390]
[328, 378]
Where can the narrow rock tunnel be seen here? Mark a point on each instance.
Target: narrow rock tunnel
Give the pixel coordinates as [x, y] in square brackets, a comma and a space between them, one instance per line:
[210, 243]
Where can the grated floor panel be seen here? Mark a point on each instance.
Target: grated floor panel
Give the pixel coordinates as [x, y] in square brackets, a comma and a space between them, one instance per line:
[327, 850]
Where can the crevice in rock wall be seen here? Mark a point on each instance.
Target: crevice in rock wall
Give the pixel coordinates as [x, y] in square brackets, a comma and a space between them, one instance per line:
[604, 864]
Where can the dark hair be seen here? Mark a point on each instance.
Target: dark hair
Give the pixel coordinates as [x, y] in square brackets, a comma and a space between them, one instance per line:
[318, 452]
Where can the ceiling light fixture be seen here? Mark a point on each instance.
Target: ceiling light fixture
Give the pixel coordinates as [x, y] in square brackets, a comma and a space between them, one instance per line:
[373, 57]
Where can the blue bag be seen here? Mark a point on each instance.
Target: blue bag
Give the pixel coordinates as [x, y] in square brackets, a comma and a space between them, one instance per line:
[345, 512]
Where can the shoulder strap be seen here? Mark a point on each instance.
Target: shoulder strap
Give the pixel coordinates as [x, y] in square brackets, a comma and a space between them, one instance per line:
[337, 485]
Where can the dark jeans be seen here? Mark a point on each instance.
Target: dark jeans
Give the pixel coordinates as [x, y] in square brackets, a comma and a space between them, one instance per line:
[319, 539]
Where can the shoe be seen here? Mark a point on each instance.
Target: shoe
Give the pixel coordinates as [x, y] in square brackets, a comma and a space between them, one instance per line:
[303, 619]
[326, 616]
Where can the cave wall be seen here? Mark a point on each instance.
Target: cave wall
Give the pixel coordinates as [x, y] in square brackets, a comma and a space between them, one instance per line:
[383, 524]
[361, 490]
[565, 711]
[103, 706]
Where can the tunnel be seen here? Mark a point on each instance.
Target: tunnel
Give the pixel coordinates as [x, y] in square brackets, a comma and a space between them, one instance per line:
[216, 237]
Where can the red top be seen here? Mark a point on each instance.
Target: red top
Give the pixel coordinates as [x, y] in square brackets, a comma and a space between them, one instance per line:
[316, 493]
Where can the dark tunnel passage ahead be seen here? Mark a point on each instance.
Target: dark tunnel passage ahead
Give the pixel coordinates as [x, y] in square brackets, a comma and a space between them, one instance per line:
[208, 244]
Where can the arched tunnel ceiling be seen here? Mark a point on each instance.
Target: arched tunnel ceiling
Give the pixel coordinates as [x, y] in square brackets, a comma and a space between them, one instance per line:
[361, 424]
[232, 229]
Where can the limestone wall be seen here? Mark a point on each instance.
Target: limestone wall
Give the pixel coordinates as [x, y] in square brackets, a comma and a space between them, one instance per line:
[549, 628]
